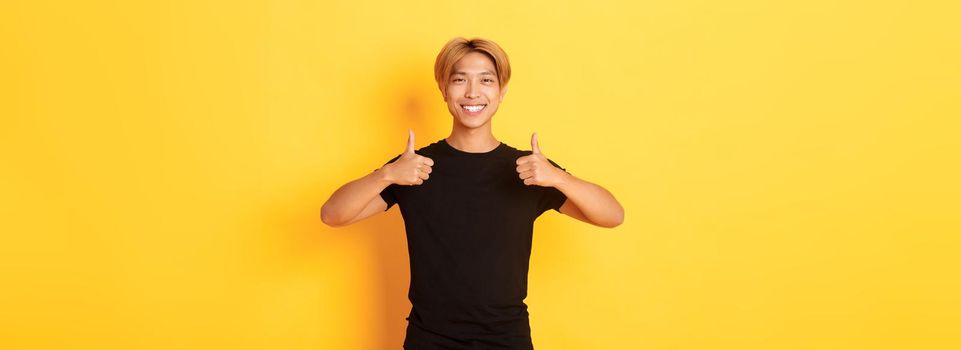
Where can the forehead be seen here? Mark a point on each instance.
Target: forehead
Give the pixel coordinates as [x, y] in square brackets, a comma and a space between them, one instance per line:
[474, 62]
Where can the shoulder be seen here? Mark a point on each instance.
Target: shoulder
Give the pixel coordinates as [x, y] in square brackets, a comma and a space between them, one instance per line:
[430, 150]
[517, 153]
[511, 151]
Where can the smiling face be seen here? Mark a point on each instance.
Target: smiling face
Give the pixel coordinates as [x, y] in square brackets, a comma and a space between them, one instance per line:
[473, 90]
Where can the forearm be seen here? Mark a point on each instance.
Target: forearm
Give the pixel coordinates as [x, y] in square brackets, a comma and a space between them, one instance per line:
[351, 198]
[595, 202]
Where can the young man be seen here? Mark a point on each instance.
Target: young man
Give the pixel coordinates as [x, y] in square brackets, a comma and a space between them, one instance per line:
[469, 203]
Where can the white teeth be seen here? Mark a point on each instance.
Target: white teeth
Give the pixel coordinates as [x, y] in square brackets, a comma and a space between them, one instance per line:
[473, 109]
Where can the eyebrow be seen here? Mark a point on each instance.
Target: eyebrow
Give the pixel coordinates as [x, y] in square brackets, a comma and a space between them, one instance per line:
[486, 72]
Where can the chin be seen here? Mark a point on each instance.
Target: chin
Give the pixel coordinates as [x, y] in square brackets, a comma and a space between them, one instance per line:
[472, 122]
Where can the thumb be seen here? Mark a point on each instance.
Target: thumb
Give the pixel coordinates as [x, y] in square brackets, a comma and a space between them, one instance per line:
[534, 143]
[410, 141]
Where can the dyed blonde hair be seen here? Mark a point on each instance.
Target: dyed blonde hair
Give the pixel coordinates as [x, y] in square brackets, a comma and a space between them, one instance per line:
[457, 48]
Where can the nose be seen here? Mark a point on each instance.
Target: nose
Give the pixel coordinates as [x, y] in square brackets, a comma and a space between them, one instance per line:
[471, 91]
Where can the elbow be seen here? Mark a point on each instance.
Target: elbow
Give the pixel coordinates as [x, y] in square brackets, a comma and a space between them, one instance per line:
[329, 219]
[616, 221]
[611, 224]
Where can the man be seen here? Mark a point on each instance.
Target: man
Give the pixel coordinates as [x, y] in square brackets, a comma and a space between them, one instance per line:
[469, 203]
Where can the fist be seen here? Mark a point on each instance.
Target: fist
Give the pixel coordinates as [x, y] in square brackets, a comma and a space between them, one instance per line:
[411, 168]
[535, 169]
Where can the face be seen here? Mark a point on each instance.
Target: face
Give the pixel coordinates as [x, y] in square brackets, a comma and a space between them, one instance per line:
[473, 91]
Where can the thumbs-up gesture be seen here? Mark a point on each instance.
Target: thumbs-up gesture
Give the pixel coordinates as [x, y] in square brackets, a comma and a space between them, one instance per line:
[411, 168]
[535, 169]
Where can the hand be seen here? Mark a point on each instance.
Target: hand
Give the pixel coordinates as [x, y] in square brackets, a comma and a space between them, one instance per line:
[535, 169]
[411, 168]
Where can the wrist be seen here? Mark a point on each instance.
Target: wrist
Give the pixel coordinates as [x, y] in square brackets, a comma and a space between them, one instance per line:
[382, 176]
[563, 180]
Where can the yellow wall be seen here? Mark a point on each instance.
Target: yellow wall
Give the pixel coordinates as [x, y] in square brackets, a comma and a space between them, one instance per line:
[789, 171]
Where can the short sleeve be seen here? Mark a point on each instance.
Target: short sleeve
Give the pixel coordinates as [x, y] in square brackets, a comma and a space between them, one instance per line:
[389, 193]
[550, 197]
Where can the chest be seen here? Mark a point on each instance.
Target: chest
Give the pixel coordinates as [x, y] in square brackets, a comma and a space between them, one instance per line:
[476, 191]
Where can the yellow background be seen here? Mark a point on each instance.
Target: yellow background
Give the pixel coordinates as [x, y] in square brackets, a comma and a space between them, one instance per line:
[789, 170]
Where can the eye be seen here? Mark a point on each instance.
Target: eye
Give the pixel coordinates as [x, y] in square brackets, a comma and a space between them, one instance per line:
[488, 80]
[457, 80]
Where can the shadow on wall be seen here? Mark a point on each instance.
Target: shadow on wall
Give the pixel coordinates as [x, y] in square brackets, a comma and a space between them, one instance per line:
[393, 277]
[384, 238]
[408, 89]
[402, 102]
[389, 275]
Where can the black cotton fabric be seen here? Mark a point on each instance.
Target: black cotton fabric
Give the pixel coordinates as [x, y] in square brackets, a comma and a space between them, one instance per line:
[469, 231]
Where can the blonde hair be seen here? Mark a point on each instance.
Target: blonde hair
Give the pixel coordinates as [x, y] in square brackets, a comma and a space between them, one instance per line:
[457, 48]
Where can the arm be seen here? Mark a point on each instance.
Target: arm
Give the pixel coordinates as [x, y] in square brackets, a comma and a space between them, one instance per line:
[585, 201]
[356, 200]
[360, 198]
[589, 202]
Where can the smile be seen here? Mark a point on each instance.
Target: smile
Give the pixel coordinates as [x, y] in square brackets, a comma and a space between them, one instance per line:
[474, 108]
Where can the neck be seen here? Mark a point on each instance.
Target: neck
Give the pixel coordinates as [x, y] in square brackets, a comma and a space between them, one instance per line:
[477, 140]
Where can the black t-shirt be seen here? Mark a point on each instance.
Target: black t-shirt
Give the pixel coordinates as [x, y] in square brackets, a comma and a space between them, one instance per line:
[469, 230]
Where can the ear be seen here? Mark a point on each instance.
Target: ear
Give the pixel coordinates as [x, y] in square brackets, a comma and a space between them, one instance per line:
[503, 92]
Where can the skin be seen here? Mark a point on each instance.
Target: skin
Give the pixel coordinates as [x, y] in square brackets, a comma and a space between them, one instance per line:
[473, 81]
